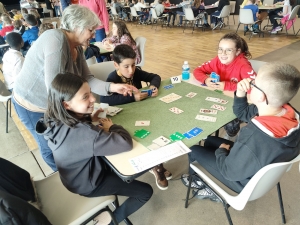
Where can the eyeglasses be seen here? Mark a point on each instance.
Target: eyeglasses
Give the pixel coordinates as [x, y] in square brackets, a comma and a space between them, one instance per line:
[227, 51]
[253, 84]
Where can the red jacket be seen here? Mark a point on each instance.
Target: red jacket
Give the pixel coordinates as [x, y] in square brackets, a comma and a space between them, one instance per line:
[98, 7]
[238, 70]
[6, 29]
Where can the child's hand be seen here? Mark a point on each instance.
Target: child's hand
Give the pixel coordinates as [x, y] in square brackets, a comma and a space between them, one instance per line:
[95, 115]
[154, 91]
[227, 147]
[215, 85]
[138, 96]
[220, 85]
[243, 87]
[105, 124]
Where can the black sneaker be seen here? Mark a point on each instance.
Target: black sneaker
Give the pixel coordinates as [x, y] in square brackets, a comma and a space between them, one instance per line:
[195, 184]
[204, 194]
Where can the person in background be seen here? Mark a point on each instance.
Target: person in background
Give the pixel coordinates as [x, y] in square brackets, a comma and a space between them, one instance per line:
[183, 4]
[120, 9]
[254, 8]
[12, 59]
[36, 15]
[44, 27]
[24, 12]
[167, 3]
[56, 5]
[17, 14]
[198, 8]
[7, 25]
[121, 35]
[98, 7]
[64, 4]
[19, 27]
[213, 20]
[30, 35]
[138, 5]
[2, 9]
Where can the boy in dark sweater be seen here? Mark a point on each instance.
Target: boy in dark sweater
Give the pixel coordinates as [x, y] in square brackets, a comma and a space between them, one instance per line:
[271, 135]
[126, 72]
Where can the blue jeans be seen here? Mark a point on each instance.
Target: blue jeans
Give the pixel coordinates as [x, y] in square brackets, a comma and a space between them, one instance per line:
[29, 119]
[181, 15]
[214, 19]
[99, 35]
[64, 4]
[57, 11]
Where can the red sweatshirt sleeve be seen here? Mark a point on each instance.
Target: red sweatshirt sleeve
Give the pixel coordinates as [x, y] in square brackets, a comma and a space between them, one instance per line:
[201, 72]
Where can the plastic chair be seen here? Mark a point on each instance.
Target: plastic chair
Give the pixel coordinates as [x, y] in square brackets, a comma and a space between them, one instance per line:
[157, 18]
[140, 42]
[232, 11]
[61, 206]
[91, 61]
[260, 184]
[268, 3]
[256, 64]
[246, 17]
[114, 13]
[134, 14]
[5, 96]
[189, 17]
[291, 18]
[3, 49]
[225, 13]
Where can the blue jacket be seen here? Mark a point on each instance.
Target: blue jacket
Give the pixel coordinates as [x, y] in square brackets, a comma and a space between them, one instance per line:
[30, 35]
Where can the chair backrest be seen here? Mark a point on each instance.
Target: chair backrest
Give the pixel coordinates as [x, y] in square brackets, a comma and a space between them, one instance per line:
[102, 70]
[113, 11]
[189, 15]
[268, 2]
[91, 61]
[140, 43]
[225, 12]
[232, 6]
[256, 64]
[294, 12]
[61, 206]
[133, 11]
[4, 93]
[153, 12]
[246, 16]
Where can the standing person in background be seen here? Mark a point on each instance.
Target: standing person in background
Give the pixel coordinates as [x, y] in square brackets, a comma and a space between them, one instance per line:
[64, 4]
[49, 8]
[98, 7]
[56, 5]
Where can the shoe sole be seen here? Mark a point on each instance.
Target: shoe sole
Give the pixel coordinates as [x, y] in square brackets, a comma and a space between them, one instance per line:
[206, 197]
[197, 187]
[161, 188]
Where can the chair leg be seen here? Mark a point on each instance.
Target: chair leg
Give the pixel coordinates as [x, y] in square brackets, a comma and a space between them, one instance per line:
[280, 203]
[188, 191]
[116, 205]
[10, 108]
[238, 27]
[233, 19]
[7, 115]
[225, 205]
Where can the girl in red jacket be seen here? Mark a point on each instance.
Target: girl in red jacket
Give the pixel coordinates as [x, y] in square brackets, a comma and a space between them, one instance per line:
[232, 66]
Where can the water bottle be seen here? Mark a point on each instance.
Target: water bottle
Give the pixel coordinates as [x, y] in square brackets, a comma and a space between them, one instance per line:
[185, 71]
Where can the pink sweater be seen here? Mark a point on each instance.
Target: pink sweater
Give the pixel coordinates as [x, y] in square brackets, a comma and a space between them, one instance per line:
[99, 7]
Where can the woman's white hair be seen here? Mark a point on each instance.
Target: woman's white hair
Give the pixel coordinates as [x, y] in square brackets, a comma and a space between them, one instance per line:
[78, 17]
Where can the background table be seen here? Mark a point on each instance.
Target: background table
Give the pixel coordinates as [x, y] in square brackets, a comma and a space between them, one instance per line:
[164, 122]
[104, 51]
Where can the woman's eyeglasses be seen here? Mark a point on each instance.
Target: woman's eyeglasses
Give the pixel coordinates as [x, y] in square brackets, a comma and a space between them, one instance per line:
[252, 83]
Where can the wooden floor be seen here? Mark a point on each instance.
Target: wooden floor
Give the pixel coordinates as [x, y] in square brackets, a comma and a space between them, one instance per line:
[166, 49]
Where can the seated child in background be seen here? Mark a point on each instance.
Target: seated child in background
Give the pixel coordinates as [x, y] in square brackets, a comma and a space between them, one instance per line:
[37, 16]
[167, 3]
[12, 59]
[7, 25]
[44, 27]
[17, 14]
[24, 12]
[124, 61]
[19, 27]
[183, 4]
[68, 122]
[31, 34]
[138, 7]
[120, 9]
[121, 35]
[231, 65]
[254, 8]
[270, 136]
[159, 10]
[213, 20]
[198, 8]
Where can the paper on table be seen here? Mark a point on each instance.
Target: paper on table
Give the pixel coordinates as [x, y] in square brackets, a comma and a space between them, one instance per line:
[153, 158]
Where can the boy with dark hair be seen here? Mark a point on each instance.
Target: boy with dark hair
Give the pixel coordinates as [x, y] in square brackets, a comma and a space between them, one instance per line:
[124, 61]
[12, 59]
[270, 136]
[31, 34]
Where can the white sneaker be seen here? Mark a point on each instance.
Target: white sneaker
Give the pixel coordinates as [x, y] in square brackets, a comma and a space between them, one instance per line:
[274, 31]
[102, 219]
[279, 28]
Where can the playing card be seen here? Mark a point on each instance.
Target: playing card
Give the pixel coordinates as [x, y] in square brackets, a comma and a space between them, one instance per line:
[195, 131]
[168, 86]
[206, 118]
[187, 135]
[176, 110]
[141, 133]
[161, 141]
[212, 99]
[170, 98]
[208, 111]
[218, 107]
[222, 101]
[191, 94]
[153, 146]
[176, 136]
[142, 123]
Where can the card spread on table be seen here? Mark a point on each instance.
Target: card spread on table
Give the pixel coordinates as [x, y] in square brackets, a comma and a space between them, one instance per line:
[168, 86]
[218, 100]
[170, 98]
[208, 111]
[187, 135]
[191, 95]
[206, 118]
[153, 146]
[176, 79]
[176, 136]
[218, 107]
[195, 131]
[161, 141]
[176, 110]
[141, 133]
[142, 123]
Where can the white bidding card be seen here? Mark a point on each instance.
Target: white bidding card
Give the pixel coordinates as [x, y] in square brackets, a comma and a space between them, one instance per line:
[208, 111]
[161, 141]
[218, 107]
[206, 118]
[142, 123]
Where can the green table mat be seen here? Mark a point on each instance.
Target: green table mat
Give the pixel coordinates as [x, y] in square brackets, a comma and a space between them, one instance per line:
[164, 123]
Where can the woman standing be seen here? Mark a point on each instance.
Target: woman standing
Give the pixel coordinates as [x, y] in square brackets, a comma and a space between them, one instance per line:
[57, 51]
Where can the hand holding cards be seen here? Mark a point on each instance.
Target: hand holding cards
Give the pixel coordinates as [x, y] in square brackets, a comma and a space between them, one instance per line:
[215, 77]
